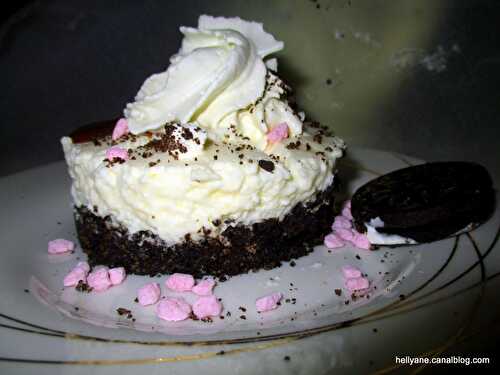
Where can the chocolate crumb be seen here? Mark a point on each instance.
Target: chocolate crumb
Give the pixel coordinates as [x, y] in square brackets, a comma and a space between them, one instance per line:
[357, 256]
[318, 138]
[293, 145]
[26, 291]
[292, 263]
[338, 292]
[267, 165]
[286, 358]
[123, 311]
[243, 317]
[83, 287]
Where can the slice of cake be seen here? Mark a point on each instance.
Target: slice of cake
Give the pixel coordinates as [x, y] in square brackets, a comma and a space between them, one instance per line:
[211, 170]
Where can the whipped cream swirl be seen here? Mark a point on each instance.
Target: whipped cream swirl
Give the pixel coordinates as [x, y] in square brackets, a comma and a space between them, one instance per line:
[215, 77]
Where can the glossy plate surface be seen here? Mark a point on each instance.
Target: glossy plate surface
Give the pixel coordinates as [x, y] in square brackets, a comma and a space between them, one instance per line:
[62, 327]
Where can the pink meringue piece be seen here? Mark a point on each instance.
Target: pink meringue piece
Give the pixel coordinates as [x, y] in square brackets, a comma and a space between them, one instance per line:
[351, 272]
[361, 241]
[173, 309]
[60, 246]
[341, 222]
[204, 287]
[84, 266]
[98, 279]
[269, 302]
[207, 306]
[121, 128]
[358, 283]
[149, 294]
[180, 282]
[278, 133]
[333, 241]
[346, 212]
[74, 276]
[345, 234]
[116, 152]
[117, 275]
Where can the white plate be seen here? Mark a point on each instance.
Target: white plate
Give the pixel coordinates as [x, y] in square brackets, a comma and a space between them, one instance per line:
[42, 323]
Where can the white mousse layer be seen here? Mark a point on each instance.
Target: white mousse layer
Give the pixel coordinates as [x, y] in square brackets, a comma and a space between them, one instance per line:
[223, 182]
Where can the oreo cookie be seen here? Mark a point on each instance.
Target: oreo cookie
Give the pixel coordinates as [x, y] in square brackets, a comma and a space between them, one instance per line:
[423, 203]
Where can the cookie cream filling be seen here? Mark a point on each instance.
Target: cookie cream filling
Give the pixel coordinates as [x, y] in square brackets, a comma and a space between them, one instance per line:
[200, 157]
[378, 238]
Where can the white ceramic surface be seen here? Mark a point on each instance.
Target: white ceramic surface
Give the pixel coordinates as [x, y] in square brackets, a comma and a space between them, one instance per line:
[439, 293]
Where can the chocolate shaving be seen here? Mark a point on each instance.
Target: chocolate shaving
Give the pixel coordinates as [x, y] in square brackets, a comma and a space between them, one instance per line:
[167, 142]
[94, 131]
[123, 311]
[267, 165]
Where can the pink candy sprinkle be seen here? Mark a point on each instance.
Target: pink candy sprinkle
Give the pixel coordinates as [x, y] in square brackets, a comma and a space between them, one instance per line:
[204, 287]
[343, 230]
[351, 272]
[361, 241]
[278, 133]
[207, 306]
[180, 282]
[332, 241]
[341, 222]
[345, 234]
[121, 128]
[98, 279]
[269, 302]
[117, 275]
[84, 266]
[74, 276]
[149, 294]
[346, 210]
[358, 283]
[116, 152]
[60, 246]
[173, 309]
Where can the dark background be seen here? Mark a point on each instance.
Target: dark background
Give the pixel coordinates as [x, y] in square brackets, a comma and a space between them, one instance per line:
[67, 63]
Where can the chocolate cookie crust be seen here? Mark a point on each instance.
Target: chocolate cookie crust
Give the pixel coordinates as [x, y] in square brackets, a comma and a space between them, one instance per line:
[239, 249]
